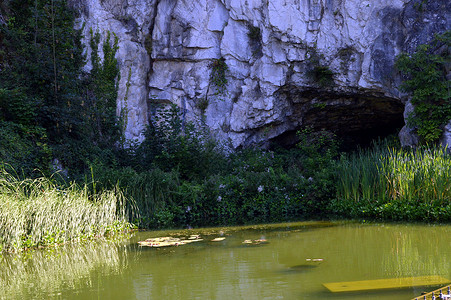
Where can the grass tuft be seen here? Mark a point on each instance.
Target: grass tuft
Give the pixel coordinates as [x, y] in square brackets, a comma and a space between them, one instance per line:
[37, 213]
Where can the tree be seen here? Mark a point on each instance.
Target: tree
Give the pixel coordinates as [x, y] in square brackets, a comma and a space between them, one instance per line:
[45, 93]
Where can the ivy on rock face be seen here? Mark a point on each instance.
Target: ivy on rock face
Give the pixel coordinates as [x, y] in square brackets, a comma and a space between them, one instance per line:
[105, 126]
[426, 79]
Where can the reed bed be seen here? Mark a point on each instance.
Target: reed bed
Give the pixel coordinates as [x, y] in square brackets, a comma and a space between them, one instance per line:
[385, 176]
[38, 213]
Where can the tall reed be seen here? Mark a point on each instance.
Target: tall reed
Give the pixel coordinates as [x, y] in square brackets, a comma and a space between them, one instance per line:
[37, 212]
[421, 175]
[149, 192]
[386, 175]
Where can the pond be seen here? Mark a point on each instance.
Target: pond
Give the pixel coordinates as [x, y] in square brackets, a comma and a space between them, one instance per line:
[293, 263]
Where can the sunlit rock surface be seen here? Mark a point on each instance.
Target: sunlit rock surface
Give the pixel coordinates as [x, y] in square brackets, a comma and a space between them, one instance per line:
[272, 50]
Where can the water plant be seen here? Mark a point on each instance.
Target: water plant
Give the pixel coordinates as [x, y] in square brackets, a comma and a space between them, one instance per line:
[39, 213]
[396, 184]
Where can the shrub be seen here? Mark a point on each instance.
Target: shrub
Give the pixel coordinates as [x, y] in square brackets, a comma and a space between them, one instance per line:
[218, 75]
[426, 79]
[172, 144]
[24, 149]
[322, 75]
[254, 33]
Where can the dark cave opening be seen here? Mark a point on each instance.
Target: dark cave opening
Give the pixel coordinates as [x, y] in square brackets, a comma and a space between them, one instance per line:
[357, 120]
[348, 141]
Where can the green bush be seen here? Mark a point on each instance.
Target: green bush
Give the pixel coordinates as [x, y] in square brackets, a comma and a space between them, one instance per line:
[46, 98]
[322, 75]
[247, 186]
[172, 144]
[218, 75]
[425, 73]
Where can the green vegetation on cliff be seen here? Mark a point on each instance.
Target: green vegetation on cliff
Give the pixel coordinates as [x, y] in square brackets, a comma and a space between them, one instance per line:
[426, 78]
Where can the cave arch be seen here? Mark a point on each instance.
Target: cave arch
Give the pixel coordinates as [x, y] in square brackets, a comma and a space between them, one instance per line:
[357, 117]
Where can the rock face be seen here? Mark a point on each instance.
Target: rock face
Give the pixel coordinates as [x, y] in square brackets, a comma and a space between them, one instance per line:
[290, 63]
[446, 139]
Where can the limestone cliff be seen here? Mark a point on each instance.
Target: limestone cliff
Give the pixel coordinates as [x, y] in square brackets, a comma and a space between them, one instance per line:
[290, 63]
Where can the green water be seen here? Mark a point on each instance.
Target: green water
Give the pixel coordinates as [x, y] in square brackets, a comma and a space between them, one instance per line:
[233, 270]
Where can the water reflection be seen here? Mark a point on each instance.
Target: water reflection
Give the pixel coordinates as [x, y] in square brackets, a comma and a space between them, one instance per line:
[47, 273]
[294, 263]
[414, 252]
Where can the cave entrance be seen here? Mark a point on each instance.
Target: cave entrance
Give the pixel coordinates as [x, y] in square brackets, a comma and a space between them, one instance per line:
[356, 119]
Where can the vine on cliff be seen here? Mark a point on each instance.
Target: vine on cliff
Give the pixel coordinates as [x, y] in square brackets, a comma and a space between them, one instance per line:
[425, 74]
[105, 126]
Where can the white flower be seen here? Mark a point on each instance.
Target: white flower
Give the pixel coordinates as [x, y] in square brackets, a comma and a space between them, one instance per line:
[219, 199]
[260, 188]
[188, 208]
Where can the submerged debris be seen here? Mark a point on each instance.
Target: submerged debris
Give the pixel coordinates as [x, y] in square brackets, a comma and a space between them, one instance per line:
[167, 241]
[314, 259]
[219, 239]
[255, 242]
[179, 241]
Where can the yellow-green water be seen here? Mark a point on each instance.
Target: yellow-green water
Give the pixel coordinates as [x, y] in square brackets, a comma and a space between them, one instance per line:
[232, 270]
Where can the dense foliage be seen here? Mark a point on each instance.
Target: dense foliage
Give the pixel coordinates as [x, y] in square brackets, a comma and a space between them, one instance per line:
[218, 75]
[426, 73]
[179, 177]
[40, 62]
[48, 106]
